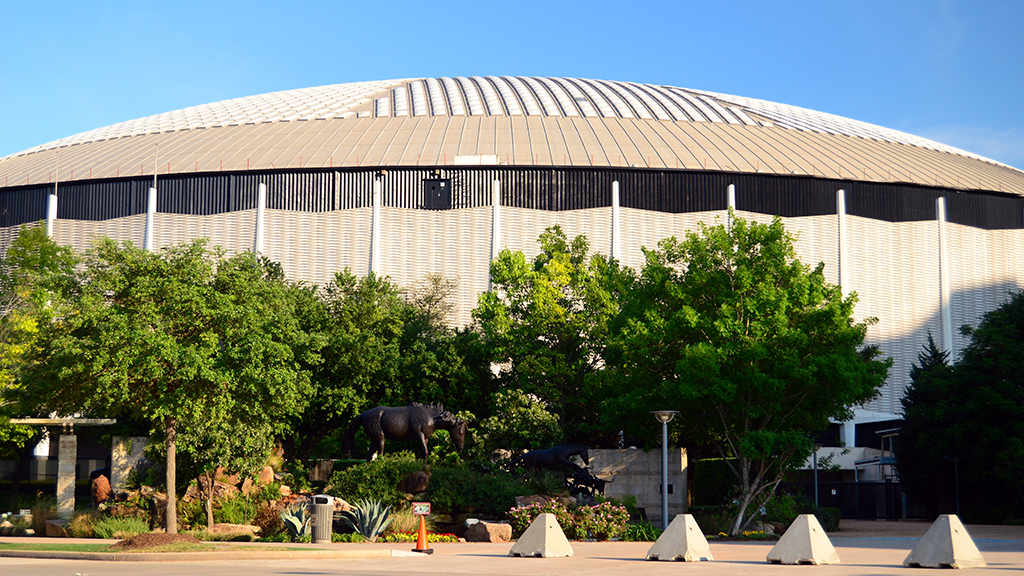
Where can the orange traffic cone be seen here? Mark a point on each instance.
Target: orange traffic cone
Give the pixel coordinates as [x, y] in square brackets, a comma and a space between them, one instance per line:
[422, 544]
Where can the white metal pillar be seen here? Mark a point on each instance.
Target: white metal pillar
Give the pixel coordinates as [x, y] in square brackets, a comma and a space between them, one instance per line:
[844, 270]
[375, 230]
[495, 228]
[616, 244]
[495, 219]
[730, 199]
[51, 213]
[147, 243]
[947, 321]
[261, 206]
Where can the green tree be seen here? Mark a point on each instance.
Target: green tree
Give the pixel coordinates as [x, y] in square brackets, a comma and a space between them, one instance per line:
[546, 324]
[967, 419]
[238, 446]
[928, 407]
[34, 274]
[382, 345]
[518, 422]
[752, 348]
[180, 337]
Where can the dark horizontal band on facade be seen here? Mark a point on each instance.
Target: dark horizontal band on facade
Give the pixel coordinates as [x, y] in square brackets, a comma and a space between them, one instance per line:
[542, 188]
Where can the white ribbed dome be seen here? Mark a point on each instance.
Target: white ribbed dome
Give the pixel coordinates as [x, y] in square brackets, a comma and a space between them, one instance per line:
[507, 120]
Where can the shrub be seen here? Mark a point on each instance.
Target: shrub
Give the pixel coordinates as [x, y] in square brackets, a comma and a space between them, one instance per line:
[406, 521]
[640, 532]
[406, 536]
[120, 528]
[377, 479]
[297, 520]
[828, 518]
[601, 521]
[83, 523]
[44, 509]
[268, 518]
[236, 510]
[354, 537]
[369, 518]
[712, 519]
[782, 507]
[470, 489]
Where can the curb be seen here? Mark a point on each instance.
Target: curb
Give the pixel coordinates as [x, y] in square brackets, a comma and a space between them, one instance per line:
[205, 556]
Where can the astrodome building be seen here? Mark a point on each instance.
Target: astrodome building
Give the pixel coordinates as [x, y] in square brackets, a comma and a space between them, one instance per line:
[435, 175]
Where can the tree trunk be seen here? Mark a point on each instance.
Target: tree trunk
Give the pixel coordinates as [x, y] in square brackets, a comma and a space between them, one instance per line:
[172, 489]
[209, 490]
[23, 457]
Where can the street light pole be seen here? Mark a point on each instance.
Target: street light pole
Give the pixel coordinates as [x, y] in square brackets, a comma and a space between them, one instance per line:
[664, 416]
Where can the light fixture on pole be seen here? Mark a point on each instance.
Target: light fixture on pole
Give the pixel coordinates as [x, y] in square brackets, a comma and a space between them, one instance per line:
[664, 416]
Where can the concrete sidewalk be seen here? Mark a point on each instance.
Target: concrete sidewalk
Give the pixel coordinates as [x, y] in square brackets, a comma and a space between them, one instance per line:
[864, 549]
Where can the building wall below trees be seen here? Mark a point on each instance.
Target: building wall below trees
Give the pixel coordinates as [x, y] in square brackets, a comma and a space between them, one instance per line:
[893, 266]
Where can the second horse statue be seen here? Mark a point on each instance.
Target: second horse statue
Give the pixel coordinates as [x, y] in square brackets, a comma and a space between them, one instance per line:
[414, 422]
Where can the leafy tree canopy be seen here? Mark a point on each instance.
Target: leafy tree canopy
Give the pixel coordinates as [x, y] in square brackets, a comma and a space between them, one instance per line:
[181, 337]
[546, 323]
[968, 419]
[752, 347]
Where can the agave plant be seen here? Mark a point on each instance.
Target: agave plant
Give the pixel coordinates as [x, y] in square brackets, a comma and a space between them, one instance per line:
[297, 520]
[368, 518]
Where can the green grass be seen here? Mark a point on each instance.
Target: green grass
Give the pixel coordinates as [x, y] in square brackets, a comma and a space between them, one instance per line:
[56, 547]
[174, 547]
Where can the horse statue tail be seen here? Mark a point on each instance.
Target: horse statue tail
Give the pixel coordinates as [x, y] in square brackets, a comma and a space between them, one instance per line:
[350, 434]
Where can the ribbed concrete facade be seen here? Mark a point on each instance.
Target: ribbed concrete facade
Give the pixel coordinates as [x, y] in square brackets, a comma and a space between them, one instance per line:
[893, 266]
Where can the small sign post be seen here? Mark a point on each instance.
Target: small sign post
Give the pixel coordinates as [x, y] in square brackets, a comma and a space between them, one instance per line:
[422, 509]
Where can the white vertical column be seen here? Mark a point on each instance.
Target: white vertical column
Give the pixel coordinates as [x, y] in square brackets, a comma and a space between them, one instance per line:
[495, 227]
[51, 213]
[147, 243]
[261, 206]
[495, 219]
[616, 251]
[947, 321]
[375, 230]
[844, 270]
[730, 199]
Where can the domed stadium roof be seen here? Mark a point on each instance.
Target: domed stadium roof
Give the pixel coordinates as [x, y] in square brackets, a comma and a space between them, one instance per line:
[520, 121]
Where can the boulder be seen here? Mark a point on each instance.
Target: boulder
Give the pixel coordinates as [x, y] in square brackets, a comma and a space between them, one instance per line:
[222, 475]
[55, 528]
[266, 476]
[341, 506]
[285, 490]
[527, 500]
[192, 494]
[489, 532]
[100, 490]
[224, 528]
[248, 487]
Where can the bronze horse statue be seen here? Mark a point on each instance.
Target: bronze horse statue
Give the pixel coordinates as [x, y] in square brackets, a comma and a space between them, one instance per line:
[414, 422]
[552, 458]
[580, 481]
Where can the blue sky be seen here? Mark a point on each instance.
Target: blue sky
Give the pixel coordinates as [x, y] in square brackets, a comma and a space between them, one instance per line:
[946, 70]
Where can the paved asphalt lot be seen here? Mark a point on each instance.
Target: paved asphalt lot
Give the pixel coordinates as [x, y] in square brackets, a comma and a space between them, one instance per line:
[865, 548]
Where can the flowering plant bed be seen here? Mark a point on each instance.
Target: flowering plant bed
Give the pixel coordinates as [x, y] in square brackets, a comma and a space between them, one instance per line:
[405, 536]
[600, 521]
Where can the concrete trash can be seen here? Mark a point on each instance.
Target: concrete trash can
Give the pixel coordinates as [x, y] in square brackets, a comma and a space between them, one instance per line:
[323, 518]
